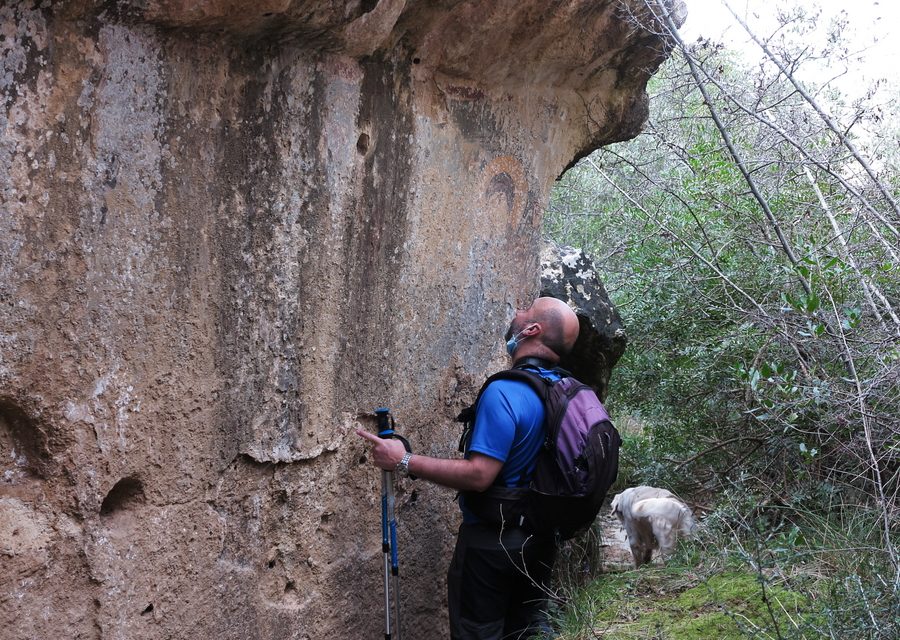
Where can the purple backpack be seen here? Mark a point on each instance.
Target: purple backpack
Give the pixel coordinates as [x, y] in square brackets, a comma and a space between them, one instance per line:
[574, 469]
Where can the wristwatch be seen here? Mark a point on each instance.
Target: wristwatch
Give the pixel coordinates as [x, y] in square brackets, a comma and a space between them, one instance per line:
[403, 466]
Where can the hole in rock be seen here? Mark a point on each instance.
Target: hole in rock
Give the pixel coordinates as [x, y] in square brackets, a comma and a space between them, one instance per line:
[368, 5]
[289, 586]
[417, 60]
[362, 459]
[362, 143]
[271, 564]
[147, 610]
[125, 494]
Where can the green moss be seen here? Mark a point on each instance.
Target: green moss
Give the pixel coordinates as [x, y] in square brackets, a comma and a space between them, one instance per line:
[675, 605]
[713, 624]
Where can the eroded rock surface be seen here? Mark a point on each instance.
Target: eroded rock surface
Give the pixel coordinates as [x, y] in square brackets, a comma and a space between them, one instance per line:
[228, 231]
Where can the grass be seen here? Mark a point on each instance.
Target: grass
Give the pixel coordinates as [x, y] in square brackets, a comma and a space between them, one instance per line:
[676, 603]
[808, 560]
[786, 573]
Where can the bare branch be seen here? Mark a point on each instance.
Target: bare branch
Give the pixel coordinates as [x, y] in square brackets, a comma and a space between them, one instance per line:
[819, 110]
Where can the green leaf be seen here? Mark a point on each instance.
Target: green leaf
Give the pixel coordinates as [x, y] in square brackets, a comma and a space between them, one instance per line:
[813, 303]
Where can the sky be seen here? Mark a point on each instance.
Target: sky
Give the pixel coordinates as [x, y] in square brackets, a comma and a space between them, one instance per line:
[872, 30]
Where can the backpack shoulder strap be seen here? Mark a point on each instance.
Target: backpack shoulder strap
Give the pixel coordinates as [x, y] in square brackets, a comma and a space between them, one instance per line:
[527, 375]
[521, 373]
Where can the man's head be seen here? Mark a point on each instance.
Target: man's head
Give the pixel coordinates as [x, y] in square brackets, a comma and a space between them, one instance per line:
[547, 329]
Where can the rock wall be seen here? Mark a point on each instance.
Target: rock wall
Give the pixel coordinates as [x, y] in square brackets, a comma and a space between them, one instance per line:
[230, 230]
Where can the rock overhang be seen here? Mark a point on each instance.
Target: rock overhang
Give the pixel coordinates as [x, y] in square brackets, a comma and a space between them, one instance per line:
[589, 58]
[227, 235]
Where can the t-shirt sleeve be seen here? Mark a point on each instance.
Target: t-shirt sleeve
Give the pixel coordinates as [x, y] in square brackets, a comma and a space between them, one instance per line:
[495, 423]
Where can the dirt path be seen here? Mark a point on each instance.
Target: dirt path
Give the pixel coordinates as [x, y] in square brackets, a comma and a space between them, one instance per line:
[616, 552]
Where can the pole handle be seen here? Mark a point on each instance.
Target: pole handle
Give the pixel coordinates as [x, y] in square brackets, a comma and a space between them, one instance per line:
[386, 429]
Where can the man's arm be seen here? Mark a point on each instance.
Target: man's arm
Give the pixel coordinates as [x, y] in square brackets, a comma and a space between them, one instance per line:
[476, 473]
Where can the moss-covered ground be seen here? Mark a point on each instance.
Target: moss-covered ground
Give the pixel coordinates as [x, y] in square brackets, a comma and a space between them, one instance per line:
[679, 604]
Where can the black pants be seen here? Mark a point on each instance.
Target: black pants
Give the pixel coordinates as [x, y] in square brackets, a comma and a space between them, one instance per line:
[498, 585]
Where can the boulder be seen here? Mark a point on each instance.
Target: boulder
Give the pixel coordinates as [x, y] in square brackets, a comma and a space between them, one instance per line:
[569, 274]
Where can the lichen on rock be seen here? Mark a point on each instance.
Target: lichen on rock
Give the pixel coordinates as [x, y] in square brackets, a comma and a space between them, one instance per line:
[570, 275]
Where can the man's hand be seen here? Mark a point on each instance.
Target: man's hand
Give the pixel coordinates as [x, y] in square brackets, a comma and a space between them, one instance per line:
[475, 473]
[386, 452]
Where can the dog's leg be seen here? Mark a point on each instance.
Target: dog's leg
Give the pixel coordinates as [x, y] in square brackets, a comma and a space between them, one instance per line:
[665, 535]
[636, 555]
[641, 554]
[641, 538]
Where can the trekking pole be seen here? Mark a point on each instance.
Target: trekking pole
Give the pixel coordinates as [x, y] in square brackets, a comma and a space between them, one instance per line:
[389, 528]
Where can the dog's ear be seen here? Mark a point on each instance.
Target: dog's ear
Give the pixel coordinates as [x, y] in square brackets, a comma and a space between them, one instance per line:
[615, 504]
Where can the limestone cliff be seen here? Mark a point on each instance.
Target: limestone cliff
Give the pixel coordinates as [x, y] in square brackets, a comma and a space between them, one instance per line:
[228, 230]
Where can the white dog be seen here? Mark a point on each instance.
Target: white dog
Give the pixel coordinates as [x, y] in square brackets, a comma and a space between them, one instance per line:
[653, 519]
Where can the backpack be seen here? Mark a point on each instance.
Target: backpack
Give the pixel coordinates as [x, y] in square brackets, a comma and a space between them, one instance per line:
[575, 467]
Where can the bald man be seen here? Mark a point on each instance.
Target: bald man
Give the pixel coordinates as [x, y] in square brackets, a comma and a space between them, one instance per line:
[499, 577]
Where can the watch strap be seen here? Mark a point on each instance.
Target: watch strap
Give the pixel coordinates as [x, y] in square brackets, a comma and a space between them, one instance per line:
[403, 466]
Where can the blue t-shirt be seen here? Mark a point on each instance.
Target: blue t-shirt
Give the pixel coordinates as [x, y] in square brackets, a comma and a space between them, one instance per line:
[509, 427]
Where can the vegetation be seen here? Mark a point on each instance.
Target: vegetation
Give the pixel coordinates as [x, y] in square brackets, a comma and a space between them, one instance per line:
[672, 603]
[750, 239]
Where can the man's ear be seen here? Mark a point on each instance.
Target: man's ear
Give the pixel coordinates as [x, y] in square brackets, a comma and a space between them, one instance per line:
[534, 329]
